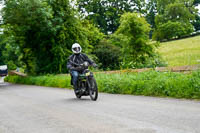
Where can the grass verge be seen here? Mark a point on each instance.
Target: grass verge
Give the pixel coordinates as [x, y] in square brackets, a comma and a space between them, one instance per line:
[168, 84]
[181, 52]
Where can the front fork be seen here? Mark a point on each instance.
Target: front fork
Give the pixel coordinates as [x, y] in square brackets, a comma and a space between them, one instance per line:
[88, 79]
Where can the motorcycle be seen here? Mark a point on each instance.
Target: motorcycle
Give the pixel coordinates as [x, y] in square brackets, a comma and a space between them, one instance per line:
[86, 83]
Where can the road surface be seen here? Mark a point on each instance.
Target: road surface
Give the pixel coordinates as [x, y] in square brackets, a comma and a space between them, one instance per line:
[34, 109]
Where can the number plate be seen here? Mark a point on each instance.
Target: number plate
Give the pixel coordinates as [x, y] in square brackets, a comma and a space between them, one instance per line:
[87, 74]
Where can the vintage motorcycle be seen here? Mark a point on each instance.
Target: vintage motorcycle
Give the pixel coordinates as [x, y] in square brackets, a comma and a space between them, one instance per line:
[86, 83]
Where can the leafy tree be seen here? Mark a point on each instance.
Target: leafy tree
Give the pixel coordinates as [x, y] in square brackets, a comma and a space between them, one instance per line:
[171, 30]
[135, 30]
[196, 2]
[151, 11]
[2, 48]
[109, 55]
[93, 35]
[9, 51]
[45, 31]
[162, 5]
[66, 29]
[29, 22]
[106, 13]
[196, 22]
[178, 13]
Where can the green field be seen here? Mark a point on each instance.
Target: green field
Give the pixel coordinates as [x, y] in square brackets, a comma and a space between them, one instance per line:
[181, 52]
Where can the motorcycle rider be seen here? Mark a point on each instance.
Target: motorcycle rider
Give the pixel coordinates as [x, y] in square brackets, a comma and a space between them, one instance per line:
[74, 61]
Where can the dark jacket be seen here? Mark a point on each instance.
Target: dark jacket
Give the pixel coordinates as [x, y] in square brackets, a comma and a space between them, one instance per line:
[76, 59]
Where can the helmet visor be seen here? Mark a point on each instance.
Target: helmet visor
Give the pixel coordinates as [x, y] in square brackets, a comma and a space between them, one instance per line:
[77, 49]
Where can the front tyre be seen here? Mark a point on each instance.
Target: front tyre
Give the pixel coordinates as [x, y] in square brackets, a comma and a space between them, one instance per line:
[77, 95]
[93, 90]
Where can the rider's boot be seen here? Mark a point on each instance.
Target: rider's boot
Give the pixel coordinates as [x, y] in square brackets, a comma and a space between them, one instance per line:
[76, 88]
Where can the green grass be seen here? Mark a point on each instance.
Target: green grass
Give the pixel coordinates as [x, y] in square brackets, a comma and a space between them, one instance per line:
[61, 81]
[181, 52]
[150, 83]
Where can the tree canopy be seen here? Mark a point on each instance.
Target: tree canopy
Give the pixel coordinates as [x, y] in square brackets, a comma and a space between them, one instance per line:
[106, 13]
[135, 33]
[37, 35]
[45, 31]
[172, 14]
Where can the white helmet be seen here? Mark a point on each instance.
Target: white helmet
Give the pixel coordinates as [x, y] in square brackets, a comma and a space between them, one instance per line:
[76, 48]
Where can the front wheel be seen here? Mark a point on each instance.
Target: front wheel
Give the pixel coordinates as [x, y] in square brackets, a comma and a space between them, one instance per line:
[77, 94]
[93, 90]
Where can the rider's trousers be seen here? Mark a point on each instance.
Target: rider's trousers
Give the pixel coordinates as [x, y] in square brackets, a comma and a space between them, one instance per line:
[74, 77]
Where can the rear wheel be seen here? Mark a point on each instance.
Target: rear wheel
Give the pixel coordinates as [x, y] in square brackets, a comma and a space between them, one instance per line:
[93, 90]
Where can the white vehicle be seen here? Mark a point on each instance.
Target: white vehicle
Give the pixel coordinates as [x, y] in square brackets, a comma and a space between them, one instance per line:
[3, 70]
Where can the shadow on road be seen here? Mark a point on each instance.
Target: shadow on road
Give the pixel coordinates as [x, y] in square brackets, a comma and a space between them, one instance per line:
[4, 86]
[78, 100]
[2, 83]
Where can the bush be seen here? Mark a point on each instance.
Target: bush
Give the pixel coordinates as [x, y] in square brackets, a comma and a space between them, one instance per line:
[171, 30]
[196, 23]
[108, 55]
[133, 34]
[149, 62]
[152, 84]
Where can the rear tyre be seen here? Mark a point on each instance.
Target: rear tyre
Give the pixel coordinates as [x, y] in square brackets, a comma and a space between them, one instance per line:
[93, 90]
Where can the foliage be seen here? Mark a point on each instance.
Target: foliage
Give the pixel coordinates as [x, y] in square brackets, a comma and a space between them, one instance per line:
[196, 23]
[9, 51]
[151, 11]
[134, 31]
[38, 34]
[172, 30]
[150, 83]
[172, 14]
[22, 18]
[2, 48]
[106, 13]
[108, 55]
[196, 2]
[48, 80]
[45, 31]
[93, 35]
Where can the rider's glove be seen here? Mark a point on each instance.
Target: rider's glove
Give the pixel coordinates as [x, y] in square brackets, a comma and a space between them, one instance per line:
[94, 65]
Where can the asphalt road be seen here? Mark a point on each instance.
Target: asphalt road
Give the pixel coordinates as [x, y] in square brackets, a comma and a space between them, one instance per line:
[34, 109]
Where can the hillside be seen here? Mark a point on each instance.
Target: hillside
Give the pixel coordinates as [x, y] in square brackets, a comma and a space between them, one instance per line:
[181, 52]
